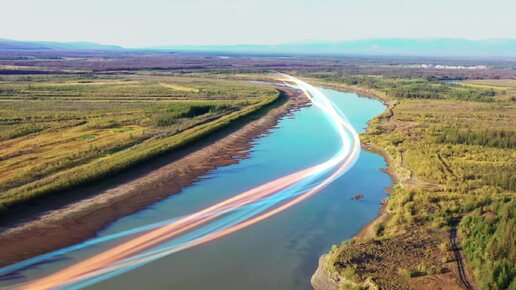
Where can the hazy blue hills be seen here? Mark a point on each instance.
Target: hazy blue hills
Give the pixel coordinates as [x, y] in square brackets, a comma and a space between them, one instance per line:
[452, 47]
[412, 47]
[6, 44]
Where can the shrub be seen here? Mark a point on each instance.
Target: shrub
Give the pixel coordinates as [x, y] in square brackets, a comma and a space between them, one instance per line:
[379, 229]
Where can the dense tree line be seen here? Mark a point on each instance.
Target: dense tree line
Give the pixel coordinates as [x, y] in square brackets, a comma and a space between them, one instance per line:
[428, 88]
[418, 91]
[441, 91]
[485, 137]
[490, 244]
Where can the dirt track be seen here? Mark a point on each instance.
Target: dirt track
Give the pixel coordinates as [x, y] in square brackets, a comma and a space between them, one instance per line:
[463, 278]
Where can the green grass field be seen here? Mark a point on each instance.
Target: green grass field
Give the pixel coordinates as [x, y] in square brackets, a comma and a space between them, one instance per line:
[455, 160]
[59, 131]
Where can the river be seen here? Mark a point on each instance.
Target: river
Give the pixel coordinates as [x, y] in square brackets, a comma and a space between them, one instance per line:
[280, 252]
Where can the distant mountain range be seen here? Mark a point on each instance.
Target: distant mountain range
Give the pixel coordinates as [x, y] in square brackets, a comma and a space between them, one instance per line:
[6, 44]
[452, 47]
[376, 47]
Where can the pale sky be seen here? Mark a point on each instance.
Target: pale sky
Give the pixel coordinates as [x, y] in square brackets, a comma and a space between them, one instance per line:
[132, 23]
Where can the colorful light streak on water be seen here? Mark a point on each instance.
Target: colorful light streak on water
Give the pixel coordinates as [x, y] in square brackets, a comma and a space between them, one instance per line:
[164, 238]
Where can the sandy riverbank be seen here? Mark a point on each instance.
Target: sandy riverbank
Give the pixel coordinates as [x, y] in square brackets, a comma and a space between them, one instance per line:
[383, 216]
[322, 279]
[368, 231]
[79, 220]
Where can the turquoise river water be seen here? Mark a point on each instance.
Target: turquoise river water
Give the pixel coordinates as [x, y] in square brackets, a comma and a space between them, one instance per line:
[279, 253]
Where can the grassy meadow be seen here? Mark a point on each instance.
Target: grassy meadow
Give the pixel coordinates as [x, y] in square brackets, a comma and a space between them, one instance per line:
[452, 147]
[58, 131]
